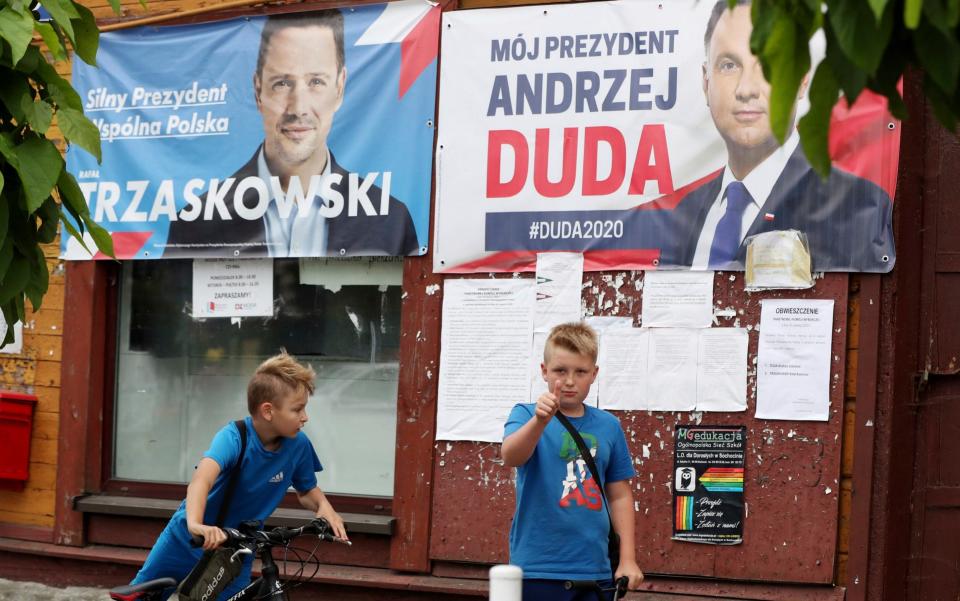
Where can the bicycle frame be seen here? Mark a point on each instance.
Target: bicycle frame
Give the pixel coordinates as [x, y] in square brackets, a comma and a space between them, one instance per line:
[267, 586]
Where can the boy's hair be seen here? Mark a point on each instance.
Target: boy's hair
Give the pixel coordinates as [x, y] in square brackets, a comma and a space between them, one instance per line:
[277, 377]
[576, 337]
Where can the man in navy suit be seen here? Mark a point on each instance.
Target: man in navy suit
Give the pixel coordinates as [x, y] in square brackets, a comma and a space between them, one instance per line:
[298, 84]
[766, 186]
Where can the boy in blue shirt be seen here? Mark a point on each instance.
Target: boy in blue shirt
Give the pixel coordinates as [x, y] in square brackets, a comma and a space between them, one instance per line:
[560, 527]
[278, 455]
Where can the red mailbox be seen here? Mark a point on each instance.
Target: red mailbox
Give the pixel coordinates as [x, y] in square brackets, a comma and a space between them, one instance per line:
[16, 422]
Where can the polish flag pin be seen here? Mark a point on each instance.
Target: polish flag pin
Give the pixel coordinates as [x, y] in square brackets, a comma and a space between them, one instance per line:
[768, 216]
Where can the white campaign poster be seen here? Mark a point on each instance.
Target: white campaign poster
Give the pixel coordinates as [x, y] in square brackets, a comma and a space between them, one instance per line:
[672, 369]
[623, 368]
[232, 287]
[559, 280]
[722, 370]
[677, 299]
[484, 356]
[590, 127]
[793, 359]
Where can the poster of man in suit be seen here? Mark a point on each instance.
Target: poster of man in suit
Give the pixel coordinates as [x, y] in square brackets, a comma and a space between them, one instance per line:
[264, 137]
[638, 133]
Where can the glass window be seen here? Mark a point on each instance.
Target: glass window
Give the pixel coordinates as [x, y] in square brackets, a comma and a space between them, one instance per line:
[180, 379]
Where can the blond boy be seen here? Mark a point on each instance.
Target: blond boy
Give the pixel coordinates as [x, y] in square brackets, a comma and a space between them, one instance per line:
[278, 455]
[560, 526]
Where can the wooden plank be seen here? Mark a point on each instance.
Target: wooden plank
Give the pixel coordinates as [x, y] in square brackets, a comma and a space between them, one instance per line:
[26, 518]
[48, 374]
[46, 321]
[849, 428]
[850, 381]
[48, 399]
[53, 299]
[43, 346]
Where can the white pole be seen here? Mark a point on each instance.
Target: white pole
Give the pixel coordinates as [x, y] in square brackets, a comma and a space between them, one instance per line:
[506, 583]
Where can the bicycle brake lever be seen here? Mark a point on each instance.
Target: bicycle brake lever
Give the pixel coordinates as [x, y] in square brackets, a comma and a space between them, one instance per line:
[240, 551]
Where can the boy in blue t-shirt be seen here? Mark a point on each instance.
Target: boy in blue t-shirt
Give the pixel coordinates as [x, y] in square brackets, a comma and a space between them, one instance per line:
[560, 527]
[278, 455]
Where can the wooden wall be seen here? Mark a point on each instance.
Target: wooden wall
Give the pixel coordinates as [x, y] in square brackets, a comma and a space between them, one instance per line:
[37, 370]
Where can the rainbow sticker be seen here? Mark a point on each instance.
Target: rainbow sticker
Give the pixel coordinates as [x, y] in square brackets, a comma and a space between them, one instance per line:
[684, 513]
[723, 479]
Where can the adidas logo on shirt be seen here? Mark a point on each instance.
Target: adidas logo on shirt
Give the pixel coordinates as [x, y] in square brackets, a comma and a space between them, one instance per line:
[277, 478]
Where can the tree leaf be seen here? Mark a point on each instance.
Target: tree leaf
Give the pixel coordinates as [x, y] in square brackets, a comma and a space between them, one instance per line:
[15, 278]
[115, 5]
[39, 281]
[88, 35]
[911, 13]
[49, 214]
[7, 149]
[63, 12]
[80, 130]
[39, 166]
[52, 40]
[68, 225]
[38, 114]
[10, 316]
[814, 127]
[4, 215]
[878, 7]
[6, 256]
[942, 107]
[17, 30]
[862, 38]
[100, 236]
[13, 89]
[938, 55]
[60, 89]
[852, 80]
[788, 56]
[72, 196]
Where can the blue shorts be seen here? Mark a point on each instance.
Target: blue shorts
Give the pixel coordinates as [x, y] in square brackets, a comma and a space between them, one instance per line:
[552, 590]
[170, 559]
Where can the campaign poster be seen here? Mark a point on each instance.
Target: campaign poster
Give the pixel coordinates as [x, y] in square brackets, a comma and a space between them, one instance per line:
[303, 134]
[637, 132]
[708, 484]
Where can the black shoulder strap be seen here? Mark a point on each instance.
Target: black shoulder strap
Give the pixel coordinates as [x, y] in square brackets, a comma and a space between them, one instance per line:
[241, 427]
[587, 458]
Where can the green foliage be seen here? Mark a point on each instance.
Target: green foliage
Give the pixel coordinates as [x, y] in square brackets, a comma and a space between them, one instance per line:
[870, 44]
[36, 192]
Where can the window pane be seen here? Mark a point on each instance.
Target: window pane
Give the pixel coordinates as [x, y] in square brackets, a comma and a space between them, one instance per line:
[181, 379]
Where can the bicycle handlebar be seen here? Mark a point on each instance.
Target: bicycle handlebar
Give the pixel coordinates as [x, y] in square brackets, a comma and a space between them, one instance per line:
[620, 586]
[275, 537]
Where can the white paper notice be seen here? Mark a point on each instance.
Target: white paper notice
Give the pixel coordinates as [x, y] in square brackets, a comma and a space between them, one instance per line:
[623, 368]
[538, 385]
[722, 373]
[672, 369]
[793, 359]
[677, 299]
[559, 279]
[484, 356]
[15, 347]
[232, 287]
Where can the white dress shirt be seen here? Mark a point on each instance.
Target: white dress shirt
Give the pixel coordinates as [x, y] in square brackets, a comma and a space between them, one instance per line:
[759, 183]
[301, 234]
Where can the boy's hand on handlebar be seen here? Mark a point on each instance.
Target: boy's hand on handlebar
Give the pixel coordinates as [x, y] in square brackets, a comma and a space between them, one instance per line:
[548, 403]
[212, 536]
[336, 522]
[632, 572]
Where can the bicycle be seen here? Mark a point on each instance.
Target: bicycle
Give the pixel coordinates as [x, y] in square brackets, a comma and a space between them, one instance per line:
[619, 589]
[247, 540]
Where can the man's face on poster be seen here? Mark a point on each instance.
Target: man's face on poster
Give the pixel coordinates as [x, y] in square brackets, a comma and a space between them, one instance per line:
[298, 91]
[736, 91]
